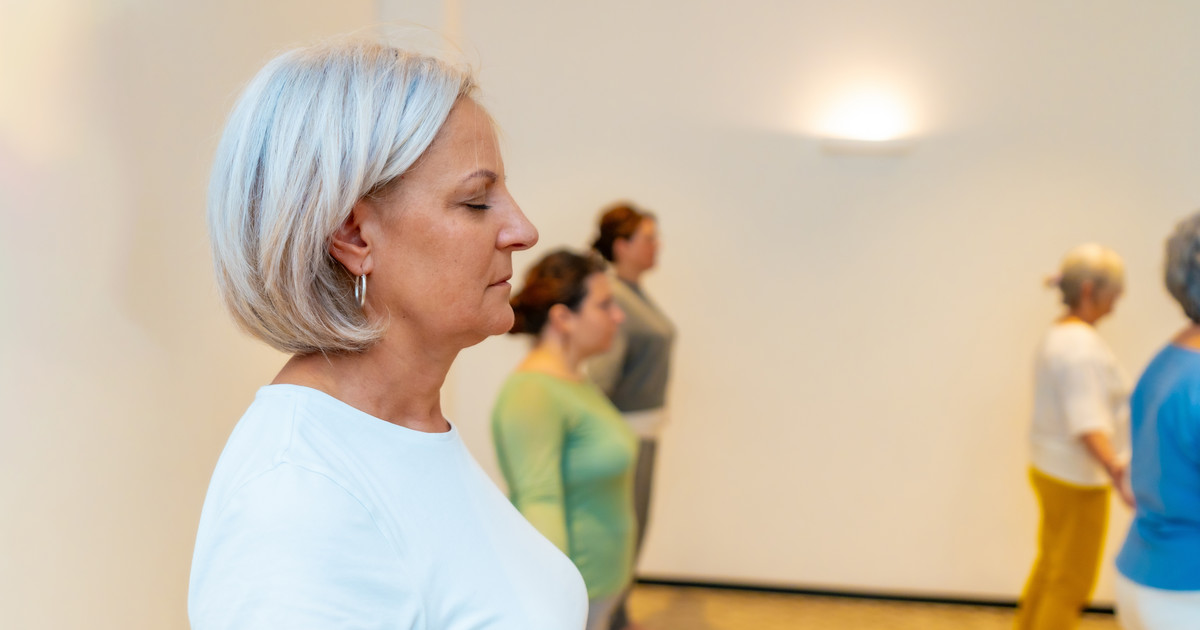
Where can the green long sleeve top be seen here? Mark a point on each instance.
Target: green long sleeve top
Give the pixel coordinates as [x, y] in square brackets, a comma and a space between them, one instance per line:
[568, 458]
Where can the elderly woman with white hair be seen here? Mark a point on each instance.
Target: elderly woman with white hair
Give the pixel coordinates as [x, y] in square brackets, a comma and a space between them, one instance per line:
[360, 222]
[1080, 411]
[1158, 581]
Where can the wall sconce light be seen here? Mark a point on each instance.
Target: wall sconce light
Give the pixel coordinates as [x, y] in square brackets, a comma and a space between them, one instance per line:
[867, 122]
[878, 148]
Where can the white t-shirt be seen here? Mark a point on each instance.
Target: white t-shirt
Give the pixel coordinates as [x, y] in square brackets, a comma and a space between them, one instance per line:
[321, 516]
[1079, 388]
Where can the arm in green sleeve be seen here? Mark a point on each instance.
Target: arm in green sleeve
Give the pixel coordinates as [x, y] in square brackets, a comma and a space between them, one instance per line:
[529, 430]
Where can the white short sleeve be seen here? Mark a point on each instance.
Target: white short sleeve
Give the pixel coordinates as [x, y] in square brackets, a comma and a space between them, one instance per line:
[1085, 392]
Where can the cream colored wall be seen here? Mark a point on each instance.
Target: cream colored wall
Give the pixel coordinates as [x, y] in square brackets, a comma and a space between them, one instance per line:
[120, 376]
[852, 379]
[852, 374]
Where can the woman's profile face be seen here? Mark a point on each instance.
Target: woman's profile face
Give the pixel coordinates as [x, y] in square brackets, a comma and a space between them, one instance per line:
[595, 321]
[445, 236]
[641, 248]
[1106, 300]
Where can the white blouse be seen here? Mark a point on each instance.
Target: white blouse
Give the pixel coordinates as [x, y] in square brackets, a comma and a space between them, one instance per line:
[1079, 388]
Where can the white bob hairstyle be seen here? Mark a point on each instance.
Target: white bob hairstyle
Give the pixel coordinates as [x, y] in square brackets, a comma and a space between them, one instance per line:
[315, 131]
[1089, 263]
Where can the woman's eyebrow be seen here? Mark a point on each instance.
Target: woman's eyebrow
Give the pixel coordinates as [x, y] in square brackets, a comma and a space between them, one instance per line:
[483, 172]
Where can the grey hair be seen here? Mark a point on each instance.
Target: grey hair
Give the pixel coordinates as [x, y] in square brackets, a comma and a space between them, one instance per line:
[315, 131]
[1183, 265]
[1089, 263]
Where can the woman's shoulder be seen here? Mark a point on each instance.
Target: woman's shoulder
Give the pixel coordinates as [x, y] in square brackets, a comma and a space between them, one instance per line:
[534, 379]
[1173, 371]
[267, 445]
[538, 398]
[1173, 375]
[1074, 341]
[528, 386]
[295, 428]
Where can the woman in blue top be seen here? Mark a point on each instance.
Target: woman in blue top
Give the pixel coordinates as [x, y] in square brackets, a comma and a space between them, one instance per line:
[1158, 586]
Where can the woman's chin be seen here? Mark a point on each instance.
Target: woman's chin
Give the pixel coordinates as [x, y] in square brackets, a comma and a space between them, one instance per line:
[502, 322]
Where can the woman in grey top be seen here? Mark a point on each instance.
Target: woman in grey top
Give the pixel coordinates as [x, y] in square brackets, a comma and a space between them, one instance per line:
[635, 370]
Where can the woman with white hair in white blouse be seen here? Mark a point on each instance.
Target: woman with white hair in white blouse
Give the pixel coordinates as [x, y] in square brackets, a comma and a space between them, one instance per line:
[360, 223]
[1080, 413]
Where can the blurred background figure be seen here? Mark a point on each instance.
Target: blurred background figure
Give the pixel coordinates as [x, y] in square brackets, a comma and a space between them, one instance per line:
[563, 448]
[361, 224]
[1080, 410]
[635, 370]
[1158, 579]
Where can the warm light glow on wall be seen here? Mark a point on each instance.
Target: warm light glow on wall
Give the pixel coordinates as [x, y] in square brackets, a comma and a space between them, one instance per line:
[871, 113]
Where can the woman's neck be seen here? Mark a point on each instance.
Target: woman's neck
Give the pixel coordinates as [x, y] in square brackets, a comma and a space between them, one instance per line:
[552, 356]
[399, 383]
[1084, 313]
[1188, 337]
[628, 272]
[1071, 318]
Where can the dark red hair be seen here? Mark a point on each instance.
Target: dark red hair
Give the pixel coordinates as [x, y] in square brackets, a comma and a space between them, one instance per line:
[558, 278]
[619, 221]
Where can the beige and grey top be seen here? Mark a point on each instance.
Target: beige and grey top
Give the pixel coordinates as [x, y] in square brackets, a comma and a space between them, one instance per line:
[635, 369]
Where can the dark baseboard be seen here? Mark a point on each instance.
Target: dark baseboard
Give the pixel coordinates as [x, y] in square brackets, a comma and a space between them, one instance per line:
[964, 601]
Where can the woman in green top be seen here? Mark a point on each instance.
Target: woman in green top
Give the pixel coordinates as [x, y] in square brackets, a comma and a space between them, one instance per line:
[564, 449]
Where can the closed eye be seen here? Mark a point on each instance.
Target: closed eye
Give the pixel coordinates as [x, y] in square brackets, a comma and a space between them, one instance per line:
[478, 206]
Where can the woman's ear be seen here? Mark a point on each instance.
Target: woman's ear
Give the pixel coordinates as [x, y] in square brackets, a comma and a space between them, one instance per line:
[348, 244]
[1087, 291]
[560, 317]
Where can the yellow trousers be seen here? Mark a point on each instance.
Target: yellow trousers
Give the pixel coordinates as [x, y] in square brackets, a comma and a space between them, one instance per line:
[1070, 539]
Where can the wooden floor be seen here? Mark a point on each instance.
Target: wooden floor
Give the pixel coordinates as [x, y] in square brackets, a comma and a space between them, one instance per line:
[658, 607]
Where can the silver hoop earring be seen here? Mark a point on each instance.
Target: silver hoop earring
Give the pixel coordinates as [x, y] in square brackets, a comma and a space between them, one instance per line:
[360, 290]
